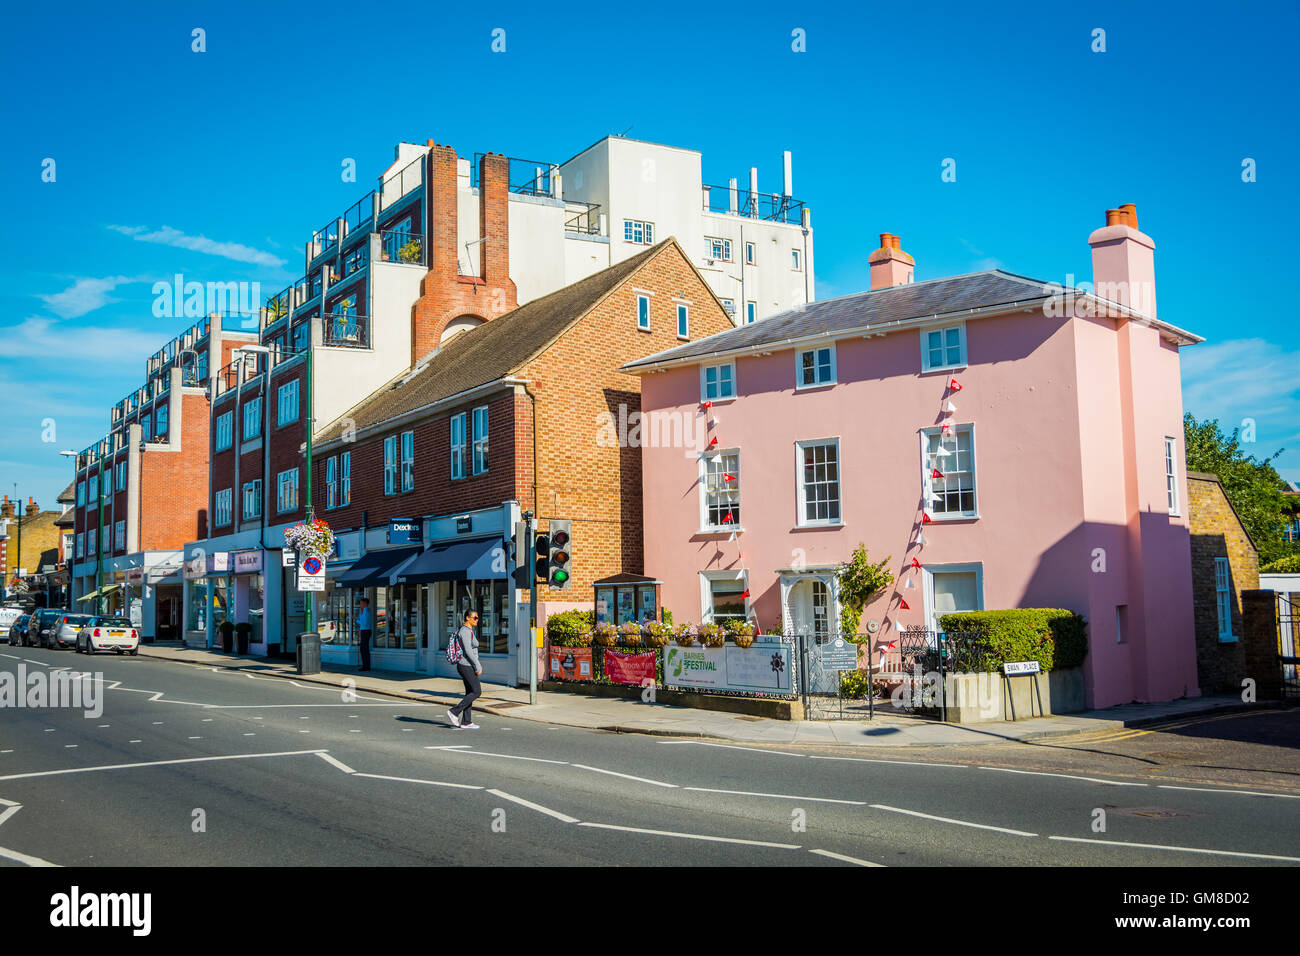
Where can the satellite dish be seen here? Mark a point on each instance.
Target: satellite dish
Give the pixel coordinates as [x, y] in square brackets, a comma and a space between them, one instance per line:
[872, 626]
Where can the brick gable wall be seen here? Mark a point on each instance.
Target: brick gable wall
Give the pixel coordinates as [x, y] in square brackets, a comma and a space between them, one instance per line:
[1216, 533]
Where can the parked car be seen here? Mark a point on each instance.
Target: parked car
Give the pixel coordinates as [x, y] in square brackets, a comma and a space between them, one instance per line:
[41, 629]
[8, 614]
[66, 627]
[108, 634]
[18, 631]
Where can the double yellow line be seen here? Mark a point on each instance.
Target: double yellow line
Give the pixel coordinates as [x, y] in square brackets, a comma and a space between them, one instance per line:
[1127, 734]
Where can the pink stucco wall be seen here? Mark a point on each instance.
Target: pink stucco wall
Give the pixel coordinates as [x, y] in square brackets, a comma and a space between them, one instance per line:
[1069, 416]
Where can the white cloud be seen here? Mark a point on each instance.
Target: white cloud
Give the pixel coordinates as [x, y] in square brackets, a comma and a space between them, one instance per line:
[85, 295]
[37, 337]
[168, 236]
[1238, 379]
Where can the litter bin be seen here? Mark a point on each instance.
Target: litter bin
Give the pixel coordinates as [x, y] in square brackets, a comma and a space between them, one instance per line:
[309, 653]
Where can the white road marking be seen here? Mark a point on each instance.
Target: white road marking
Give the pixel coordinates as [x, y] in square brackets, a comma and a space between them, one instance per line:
[207, 720]
[250, 734]
[1179, 849]
[756, 750]
[196, 738]
[133, 741]
[691, 836]
[960, 823]
[154, 763]
[30, 661]
[778, 796]
[479, 753]
[304, 731]
[846, 859]
[354, 731]
[68, 746]
[335, 762]
[49, 730]
[1249, 793]
[24, 858]
[102, 726]
[910, 763]
[450, 747]
[534, 806]
[6, 751]
[157, 722]
[627, 776]
[431, 783]
[1069, 776]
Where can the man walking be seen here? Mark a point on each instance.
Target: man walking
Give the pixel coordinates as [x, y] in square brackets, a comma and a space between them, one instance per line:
[363, 626]
[469, 669]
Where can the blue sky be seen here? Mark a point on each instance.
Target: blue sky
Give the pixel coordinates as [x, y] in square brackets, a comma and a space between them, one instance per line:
[218, 165]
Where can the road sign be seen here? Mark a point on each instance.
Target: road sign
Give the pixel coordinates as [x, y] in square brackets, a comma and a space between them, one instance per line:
[1012, 668]
[311, 576]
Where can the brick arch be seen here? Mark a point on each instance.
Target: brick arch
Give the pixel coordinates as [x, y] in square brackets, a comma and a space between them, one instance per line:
[460, 323]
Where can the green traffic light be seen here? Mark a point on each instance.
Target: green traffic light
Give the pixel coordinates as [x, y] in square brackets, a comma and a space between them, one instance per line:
[560, 576]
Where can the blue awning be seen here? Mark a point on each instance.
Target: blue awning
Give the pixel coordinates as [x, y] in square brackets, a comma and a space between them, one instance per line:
[373, 568]
[460, 561]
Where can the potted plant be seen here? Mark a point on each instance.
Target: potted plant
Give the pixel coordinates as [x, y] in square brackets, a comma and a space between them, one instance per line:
[410, 252]
[630, 632]
[657, 633]
[685, 635]
[242, 630]
[711, 635]
[227, 637]
[605, 634]
[740, 631]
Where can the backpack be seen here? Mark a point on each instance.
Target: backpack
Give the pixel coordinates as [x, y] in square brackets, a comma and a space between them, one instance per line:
[454, 654]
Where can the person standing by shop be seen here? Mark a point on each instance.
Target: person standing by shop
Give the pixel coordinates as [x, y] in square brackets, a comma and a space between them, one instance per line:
[363, 628]
[462, 715]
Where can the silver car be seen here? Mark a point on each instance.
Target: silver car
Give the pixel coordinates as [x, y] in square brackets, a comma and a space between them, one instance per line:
[64, 629]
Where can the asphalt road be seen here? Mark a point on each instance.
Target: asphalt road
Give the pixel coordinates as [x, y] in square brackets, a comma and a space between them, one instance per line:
[197, 766]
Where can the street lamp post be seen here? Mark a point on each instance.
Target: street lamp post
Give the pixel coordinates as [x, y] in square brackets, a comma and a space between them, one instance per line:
[309, 514]
[69, 453]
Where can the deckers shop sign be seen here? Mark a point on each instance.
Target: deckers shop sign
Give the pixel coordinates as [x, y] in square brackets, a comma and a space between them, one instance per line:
[404, 531]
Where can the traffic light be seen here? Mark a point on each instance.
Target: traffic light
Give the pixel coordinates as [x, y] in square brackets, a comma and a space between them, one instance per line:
[542, 545]
[561, 553]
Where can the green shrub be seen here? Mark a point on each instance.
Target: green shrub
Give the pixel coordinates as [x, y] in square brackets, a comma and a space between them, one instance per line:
[854, 683]
[985, 640]
[668, 617]
[1288, 565]
[570, 628]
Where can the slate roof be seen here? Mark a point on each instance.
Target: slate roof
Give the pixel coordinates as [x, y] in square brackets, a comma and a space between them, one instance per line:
[493, 350]
[952, 296]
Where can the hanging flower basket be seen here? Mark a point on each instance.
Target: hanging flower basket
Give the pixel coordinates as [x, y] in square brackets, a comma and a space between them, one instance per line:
[741, 632]
[606, 634]
[630, 633]
[686, 635]
[711, 635]
[314, 539]
[656, 633]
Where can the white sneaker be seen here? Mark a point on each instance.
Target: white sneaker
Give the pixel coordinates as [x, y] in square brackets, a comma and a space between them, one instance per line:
[471, 727]
[455, 721]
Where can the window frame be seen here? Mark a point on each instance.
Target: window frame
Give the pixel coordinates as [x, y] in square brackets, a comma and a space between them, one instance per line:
[254, 486]
[708, 579]
[797, 265]
[719, 248]
[961, 344]
[119, 536]
[751, 312]
[253, 404]
[683, 320]
[390, 464]
[1173, 498]
[81, 494]
[643, 306]
[228, 431]
[926, 466]
[927, 584]
[345, 479]
[751, 254]
[1223, 599]
[801, 503]
[478, 440]
[704, 382]
[634, 227]
[331, 482]
[223, 508]
[457, 450]
[406, 460]
[798, 367]
[281, 505]
[733, 506]
[287, 394]
[121, 475]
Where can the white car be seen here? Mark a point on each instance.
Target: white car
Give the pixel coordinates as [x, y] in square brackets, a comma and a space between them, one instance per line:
[108, 634]
[8, 614]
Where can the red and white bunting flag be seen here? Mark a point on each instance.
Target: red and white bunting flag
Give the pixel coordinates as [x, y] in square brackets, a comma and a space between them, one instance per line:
[726, 519]
[925, 518]
[935, 473]
[713, 441]
[707, 404]
[727, 477]
[950, 408]
[946, 430]
[745, 593]
[904, 606]
[920, 538]
[954, 385]
[733, 538]
[909, 584]
[916, 563]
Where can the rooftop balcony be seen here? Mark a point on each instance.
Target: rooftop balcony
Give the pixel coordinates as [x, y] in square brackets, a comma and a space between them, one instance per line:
[344, 330]
[770, 207]
[403, 247]
[583, 218]
[402, 183]
[526, 177]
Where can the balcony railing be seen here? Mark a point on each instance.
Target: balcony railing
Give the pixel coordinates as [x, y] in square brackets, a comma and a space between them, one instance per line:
[409, 178]
[340, 330]
[585, 218]
[525, 176]
[359, 213]
[327, 236]
[404, 247]
[771, 207]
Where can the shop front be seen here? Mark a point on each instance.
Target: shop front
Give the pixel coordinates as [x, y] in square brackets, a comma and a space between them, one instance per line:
[395, 621]
[249, 592]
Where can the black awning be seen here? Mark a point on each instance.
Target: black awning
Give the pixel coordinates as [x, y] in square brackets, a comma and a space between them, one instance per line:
[373, 568]
[479, 560]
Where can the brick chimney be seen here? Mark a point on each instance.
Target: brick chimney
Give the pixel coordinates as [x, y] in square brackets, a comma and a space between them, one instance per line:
[890, 265]
[32, 507]
[7, 508]
[445, 294]
[1123, 261]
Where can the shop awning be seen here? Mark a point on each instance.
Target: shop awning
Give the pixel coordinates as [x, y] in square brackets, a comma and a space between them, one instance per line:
[373, 568]
[102, 592]
[461, 561]
[88, 597]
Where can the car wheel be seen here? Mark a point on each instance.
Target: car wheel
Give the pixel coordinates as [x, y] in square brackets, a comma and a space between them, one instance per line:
[90, 648]
[135, 652]
[77, 647]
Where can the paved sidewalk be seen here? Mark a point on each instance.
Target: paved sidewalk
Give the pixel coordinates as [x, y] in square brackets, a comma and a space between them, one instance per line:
[625, 716]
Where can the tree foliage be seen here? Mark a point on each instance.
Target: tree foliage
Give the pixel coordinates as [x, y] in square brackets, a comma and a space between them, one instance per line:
[860, 581]
[1252, 485]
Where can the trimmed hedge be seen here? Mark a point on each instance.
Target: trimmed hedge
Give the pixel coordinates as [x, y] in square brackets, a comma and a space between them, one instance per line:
[567, 628]
[1056, 638]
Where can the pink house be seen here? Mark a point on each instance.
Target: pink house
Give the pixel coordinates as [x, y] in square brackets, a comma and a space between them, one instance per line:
[1005, 441]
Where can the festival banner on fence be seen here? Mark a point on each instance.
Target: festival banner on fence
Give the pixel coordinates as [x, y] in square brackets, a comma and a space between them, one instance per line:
[571, 663]
[625, 668]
